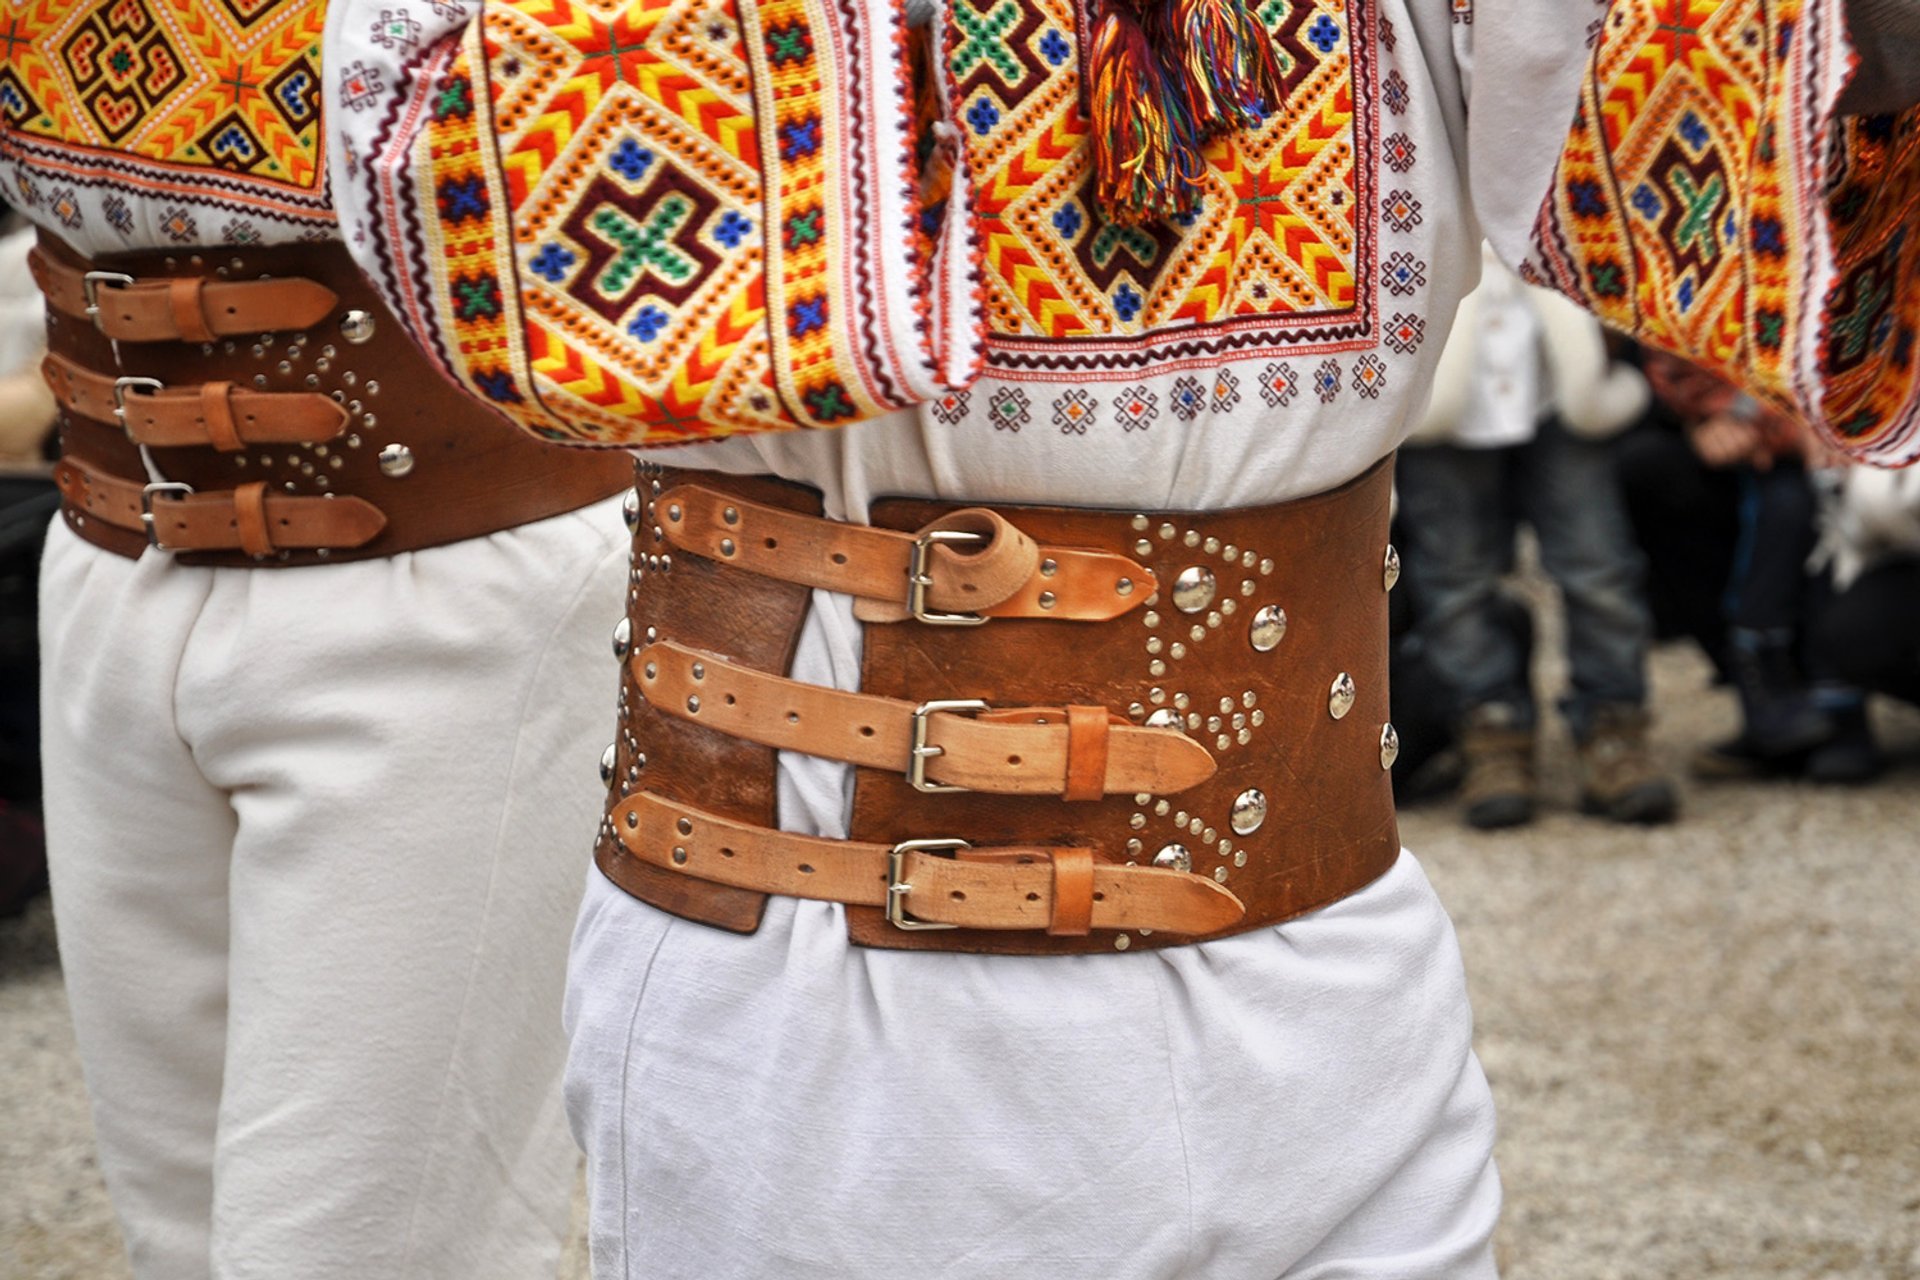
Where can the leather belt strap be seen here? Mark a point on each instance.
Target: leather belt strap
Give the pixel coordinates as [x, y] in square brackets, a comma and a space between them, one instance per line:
[213, 413]
[969, 746]
[1044, 889]
[180, 309]
[250, 518]
[976, 564]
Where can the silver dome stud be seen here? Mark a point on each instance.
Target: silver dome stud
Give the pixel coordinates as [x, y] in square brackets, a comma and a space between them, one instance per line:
[622, 637]
[1391, 573]
[607, 759]
[630, 509]
[1389, 746]
[1175, 857]
[1249, 811]
[396, 460]
[1340, 697]
[1268, 628]
[1194, 589]
[357, 326]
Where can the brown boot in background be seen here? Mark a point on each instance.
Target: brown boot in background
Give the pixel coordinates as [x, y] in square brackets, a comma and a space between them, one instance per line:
[1618, 779]
[1498, 790]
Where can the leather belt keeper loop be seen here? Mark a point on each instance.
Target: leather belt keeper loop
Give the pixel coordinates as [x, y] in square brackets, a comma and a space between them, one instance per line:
[1267, 657]
[191, 429]
[1072, 893]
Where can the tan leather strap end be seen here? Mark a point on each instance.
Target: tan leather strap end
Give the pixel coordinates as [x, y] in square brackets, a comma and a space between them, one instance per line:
[976, 563]
[251, 518]
[1002, 751]
[216, 414]
[178, 309]
[999, 888]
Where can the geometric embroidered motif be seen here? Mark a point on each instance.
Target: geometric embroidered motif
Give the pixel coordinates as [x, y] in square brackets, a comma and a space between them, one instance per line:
[105, 88]
[1279, 253]
[1678, 215]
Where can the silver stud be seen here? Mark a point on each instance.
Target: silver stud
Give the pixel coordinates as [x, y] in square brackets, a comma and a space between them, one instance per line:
[607, 759]
[1123, 587]
[693, 702]
[1340, 697]
[1192, 539]
[1389, 746]
[1137, 821]
[1140, 524]
[1246, 588]
[699, 671]
[1156, 668]
[633, 819]
[731, 515]
[1166, 532]
[1194, 589]
[1220, 874]
[630, 509]
[1047, 600]
[1156, 696]
[1181, 701]
[673, 513]
[1198, 633]
[726, 546]
[1136, 711]
[1211, 546]
[1143, 548]
[1049, 567]
[1249, 559]
[1155, 644]
[684, 826]
[1122, 942]
[622, 637]
[1150, 618]
[357, 326]
[1175, 857]
[1164, 719]
[1196, 825]
[1269, 627]
[1266, 566]
[1249, 811]
[1392, 573]
[679, 855]
[396, 460]
[1177, 649]
[650, 671]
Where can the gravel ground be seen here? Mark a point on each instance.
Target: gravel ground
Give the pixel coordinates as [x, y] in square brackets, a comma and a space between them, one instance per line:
[1705, 1040]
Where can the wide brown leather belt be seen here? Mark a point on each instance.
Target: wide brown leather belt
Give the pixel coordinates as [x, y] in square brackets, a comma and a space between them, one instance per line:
[1077, 731]
[261, 407]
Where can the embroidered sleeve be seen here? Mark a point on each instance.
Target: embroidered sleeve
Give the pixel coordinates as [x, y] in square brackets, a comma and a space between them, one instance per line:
[1713, 201]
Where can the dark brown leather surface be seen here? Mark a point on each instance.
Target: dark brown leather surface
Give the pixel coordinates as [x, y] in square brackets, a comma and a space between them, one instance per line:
[472, 472]
[1329, 828]
[748, 618]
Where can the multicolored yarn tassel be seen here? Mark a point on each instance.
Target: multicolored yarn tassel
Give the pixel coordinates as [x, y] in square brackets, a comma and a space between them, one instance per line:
[1145, 149]
[1218, 57]
[1162, 84]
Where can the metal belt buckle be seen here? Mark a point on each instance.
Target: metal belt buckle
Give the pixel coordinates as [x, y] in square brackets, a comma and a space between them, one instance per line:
[919, 579]
[120, 388]
[921, 753]
[91, 283]
[898, 889]
[146, 506]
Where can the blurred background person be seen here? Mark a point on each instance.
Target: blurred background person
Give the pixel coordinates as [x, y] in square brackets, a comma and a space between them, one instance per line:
[1526, 403]
[1725, 496]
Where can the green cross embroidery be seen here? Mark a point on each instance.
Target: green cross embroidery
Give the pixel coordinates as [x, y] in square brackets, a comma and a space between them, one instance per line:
[1110, 239]
[1853, 330]
[1702, 203]
[640, 249]
[830, 402]
[454, 100]
[803, 228]
[983, 37]
[478, 299]
[789, 44]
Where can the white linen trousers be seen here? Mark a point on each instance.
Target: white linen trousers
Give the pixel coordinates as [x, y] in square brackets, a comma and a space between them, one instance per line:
[315, 838]
[1298, 1101]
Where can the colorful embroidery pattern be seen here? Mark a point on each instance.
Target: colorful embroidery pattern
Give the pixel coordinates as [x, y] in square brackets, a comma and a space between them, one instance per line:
[219, 100]
[1678, 215]
[639, 233]
[1280, 254]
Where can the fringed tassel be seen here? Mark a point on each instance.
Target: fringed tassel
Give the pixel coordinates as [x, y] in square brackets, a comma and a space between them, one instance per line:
[1146, 152]
[1219, 60]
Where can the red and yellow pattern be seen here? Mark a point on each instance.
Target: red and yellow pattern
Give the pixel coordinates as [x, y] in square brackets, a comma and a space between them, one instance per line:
[157, 91]
[1279, 251]
[635, 235]
[1708, 203]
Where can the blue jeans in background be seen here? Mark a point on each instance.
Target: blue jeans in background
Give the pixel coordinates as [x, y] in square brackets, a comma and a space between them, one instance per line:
[1460, 509]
